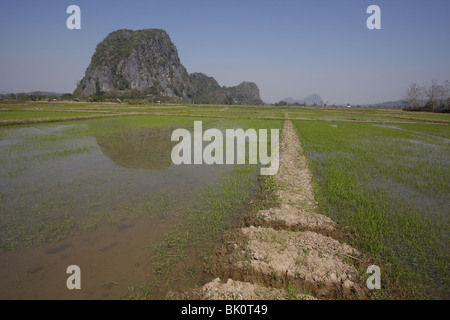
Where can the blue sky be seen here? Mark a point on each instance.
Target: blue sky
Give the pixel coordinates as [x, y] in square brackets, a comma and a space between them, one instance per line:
[289, 48]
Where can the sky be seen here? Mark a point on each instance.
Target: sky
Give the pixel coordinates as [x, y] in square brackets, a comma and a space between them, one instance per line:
[288, 48]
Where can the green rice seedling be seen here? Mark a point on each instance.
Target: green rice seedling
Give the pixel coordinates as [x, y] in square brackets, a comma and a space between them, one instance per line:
[387, 184]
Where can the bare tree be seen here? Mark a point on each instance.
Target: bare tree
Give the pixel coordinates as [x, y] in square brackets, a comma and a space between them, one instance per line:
[413, 95]
[437, 96]
[444, 95]
[432, 93]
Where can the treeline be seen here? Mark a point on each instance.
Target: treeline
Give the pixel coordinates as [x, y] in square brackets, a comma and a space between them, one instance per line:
[36, 96]
[431, 97]
[131, 97]
[284, 103]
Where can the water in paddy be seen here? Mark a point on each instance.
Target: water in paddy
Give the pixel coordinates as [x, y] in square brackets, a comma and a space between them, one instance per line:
[97, 194]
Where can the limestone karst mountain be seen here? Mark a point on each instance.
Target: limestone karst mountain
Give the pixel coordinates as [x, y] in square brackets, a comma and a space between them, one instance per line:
[147, 61]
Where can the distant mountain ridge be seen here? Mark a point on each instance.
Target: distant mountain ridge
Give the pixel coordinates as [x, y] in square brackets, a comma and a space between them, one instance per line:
[389, 104]
[147, 61]
[309, 100]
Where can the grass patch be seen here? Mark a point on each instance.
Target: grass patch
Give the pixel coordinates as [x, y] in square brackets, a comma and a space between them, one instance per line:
[391, 187]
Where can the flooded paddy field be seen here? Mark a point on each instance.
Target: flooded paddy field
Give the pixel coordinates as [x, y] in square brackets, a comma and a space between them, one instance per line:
[103, 194]
[390, 185]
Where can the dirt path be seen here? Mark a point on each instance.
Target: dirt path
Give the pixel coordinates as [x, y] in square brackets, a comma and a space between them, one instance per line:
[298, 207]
[288, 249]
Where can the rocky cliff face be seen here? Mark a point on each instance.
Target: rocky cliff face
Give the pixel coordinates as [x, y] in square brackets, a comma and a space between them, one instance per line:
[246, 93]
[205, 89]
[144, 60]
[147, 61]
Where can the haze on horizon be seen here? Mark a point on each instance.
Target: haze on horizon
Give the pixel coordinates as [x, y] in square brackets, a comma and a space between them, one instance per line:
[288, 48]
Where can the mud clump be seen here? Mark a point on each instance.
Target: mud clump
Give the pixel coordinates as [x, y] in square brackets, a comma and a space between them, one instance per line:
[238, 290]
[307, 261]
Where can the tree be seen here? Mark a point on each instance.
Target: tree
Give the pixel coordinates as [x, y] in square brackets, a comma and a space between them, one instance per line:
[22, 96]
[444, 96]
[229, 100]
[413, 95]
[67, 96]
[437, 97]
[432, 93]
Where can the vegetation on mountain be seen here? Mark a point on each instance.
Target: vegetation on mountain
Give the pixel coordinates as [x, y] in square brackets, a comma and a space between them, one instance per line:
[145, 64]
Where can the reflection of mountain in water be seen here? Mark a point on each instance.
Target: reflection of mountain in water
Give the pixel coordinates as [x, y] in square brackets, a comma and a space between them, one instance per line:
[145, 148]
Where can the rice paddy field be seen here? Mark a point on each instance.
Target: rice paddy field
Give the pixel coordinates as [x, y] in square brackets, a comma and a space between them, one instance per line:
[94, 185]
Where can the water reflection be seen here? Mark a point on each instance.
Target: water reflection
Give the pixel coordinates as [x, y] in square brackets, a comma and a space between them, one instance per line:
[96, 192]
[139, 148]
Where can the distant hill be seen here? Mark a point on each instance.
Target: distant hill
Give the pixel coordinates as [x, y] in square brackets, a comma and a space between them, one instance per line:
[147, 61]
[398, 104]
[309, 100]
